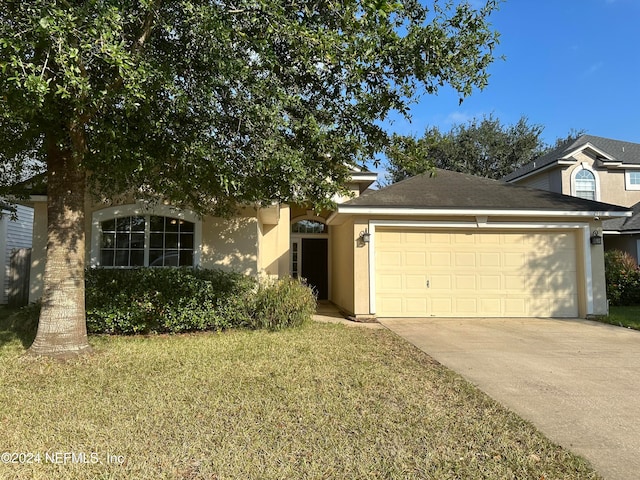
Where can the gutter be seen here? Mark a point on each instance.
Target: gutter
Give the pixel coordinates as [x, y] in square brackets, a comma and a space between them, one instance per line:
[346, 209]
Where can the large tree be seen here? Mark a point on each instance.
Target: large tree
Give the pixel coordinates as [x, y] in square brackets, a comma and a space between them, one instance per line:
[483, 147]
[210, 104]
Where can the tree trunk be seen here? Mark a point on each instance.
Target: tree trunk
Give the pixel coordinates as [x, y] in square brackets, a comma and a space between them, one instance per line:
[62, 329]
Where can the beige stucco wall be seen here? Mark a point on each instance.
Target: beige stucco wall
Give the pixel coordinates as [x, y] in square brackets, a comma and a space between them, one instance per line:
[599, 284]
[361, 268]
[228, 244]
[273, 245]
[342, 266]
[347, 233]
[612, 181]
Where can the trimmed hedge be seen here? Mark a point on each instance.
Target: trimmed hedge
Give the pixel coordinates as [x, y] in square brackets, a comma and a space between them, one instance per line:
[622, 277]
[174, 300]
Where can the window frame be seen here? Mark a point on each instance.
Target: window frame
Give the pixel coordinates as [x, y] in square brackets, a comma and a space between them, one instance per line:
[574, 191]
[627, 180]
[141, 210]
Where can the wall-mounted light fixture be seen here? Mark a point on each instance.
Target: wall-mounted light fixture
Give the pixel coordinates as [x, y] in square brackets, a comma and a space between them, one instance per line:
[596, 238]
[365, 236]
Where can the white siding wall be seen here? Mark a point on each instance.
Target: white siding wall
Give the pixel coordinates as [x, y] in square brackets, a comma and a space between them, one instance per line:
[13, 235]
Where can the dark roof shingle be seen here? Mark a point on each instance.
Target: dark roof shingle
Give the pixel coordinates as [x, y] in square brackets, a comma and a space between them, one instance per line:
[452, 190]
[625, 152]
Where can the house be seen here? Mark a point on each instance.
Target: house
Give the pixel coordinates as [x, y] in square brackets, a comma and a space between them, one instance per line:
[443, 245]
[14, 234]
[596, 168]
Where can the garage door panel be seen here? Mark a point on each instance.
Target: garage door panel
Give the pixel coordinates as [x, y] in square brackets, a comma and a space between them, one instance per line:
[440, 282]
[440, 259]
[416, 282]
[415, 305]
[391, 305]
[390, 282]
[390, 259]
[435, 239]
[466, 306]
[491, 307]
[417, 259]
[491, 282]
[514, 283]
[490, 259]
[421, 273]
[489, 238]
[465, 259]
[441, 306]
[563, 307]
[515, 307]
[514, 259]
[465, 282]
[463, 238]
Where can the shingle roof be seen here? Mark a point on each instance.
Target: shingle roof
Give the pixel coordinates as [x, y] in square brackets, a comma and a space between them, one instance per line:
[624, 224]
[625, 152]
[452, 190]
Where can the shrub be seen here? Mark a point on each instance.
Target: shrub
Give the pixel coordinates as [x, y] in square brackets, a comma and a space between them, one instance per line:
[173, 300]
[622, 278]
[159, 300]
[282, 303]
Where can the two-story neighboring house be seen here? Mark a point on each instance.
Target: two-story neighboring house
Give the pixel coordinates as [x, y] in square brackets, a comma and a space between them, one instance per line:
[594, 168]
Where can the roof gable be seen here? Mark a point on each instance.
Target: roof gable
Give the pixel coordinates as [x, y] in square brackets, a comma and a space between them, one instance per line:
[605, 149]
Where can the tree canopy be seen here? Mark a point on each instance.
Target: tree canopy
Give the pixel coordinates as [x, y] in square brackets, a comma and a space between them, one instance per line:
[209, 104]
[483, 147]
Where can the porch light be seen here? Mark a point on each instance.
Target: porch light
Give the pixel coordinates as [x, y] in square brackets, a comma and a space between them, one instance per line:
[365, 236]
[596, 238]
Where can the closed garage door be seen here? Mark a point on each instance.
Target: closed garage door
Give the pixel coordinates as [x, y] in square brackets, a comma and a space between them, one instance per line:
[471, 274]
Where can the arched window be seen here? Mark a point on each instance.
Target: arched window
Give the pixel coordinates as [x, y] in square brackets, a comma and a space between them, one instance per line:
[308, 226]
[137, 235]
[146, 240]
[585, 184]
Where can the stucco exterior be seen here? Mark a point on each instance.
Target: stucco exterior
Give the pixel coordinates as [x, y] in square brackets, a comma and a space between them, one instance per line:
[260, 240]
[352, 268]
[613, 163]
[244, 243]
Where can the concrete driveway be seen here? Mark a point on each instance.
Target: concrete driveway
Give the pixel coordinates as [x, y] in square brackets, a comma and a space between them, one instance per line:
[578, 381]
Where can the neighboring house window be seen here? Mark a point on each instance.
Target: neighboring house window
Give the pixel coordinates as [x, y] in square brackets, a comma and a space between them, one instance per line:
[632, 179]
[584, 183]
[149, 240]
[138, 236]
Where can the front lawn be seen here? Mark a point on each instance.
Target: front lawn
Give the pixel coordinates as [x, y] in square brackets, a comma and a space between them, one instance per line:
[318, 401]
[623, 316]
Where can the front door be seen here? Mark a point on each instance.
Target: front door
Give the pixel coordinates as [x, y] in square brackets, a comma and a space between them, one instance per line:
[309, 260]
[314, 263]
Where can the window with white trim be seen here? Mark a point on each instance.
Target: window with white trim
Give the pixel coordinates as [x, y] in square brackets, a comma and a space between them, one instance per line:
[146, 240]
[308, 226]
[585, 184]
[632, 179]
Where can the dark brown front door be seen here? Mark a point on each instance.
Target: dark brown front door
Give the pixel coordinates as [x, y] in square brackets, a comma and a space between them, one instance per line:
[315, 256]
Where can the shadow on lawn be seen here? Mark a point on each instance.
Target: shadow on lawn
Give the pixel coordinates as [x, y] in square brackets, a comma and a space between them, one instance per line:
[17, 324]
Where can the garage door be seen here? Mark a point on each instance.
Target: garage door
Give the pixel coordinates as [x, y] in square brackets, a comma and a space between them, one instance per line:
[470, 274]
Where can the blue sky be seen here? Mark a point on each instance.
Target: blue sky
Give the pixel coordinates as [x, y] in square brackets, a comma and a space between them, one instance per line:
[570, 64]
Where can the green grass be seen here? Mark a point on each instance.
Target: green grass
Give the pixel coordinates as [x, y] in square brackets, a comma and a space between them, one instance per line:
[623, 316]
[319, 401]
